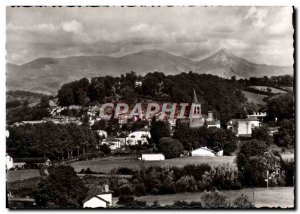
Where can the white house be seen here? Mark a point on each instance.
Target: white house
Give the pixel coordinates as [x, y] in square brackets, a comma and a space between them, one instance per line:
[243, 127]
[139, 137]
[9, 162]
[152, 157]
[204, 152]
[101, 200]
[113, 143]
[102, 133]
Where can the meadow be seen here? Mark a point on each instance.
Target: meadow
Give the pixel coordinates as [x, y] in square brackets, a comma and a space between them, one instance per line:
[254, 97]
[261, 197]
[105, 165]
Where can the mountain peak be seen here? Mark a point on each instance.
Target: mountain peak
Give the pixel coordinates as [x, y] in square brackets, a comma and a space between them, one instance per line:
[223, 51]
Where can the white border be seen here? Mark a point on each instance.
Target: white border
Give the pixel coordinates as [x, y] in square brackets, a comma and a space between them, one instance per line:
[5, 3]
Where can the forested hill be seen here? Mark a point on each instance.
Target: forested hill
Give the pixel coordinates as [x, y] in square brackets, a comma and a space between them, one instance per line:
[218, 94]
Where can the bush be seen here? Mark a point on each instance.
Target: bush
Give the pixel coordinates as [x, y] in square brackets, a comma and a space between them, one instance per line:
[105, 149]
[243, 202]
[214, 200]
[186, 184]
[125, 171]
[171, 148]
[184, 204]
[129, 202]
[261, 133]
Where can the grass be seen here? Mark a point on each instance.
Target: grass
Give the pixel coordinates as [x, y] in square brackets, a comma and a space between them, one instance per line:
[21, 174]
[105, 165]
[273, 90]
[273, 197]
[255, 98]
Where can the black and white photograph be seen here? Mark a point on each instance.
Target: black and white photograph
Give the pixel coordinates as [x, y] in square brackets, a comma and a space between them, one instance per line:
[150, 107]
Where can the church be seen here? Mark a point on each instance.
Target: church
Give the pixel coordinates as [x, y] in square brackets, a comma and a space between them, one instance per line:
[195, 119]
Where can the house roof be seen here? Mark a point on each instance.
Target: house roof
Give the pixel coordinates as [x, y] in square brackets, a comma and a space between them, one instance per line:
[143, 130]
[111, 140]
[204, 148]
[195, 99]
[97, 196]
[212, 122]
[241, 120]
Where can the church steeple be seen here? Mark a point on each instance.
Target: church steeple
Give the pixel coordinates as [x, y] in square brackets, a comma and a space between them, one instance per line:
[195, 99]
[195, 106]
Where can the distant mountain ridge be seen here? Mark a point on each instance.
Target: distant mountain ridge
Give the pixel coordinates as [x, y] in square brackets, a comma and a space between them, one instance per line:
[48, 74]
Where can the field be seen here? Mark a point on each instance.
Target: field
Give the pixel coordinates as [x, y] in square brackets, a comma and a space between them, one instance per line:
[289, 88]
[273, 90]
[105, 165]
[255, 98]
[262, 197]
[21, 174]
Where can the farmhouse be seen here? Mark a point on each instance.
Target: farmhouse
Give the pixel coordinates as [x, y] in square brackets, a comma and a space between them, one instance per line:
[243, 127]
[21, 162]
[152, 157]
[9, 162]
[206, 152]
[139, 137]
[101, 133]
[211, 122]
[113, 143]
[101, 200]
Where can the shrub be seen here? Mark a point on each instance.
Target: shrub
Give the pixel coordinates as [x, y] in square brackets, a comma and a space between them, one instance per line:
[186, 184]
[243, 201]
[128, 201]
[105, 149]
[214, 200]
[125, 171]
[171, 148]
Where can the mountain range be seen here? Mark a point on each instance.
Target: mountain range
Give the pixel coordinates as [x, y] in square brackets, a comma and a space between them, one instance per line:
[48, 74]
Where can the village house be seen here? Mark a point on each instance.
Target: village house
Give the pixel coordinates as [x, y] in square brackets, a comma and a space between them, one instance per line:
[257, 115]
[101, 200]
[33, 122]
[210, 121]
[113, 143]
[152, 157]
[206, 152]
[31, 162]
[243, 127]
[9, 162]
[139, 137]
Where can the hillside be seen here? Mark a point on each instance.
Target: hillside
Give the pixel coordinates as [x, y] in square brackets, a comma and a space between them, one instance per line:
[48, 74]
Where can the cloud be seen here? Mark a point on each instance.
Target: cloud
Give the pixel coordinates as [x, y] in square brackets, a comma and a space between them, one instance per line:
[282, 23]
[257, 16]
[72, 27]
[194, 32]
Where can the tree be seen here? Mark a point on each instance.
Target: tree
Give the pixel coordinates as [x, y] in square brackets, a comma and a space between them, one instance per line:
[281, 106]
[286, 134]
[61, 189]
[171, 148]
[253, 162]
[188, 137]
[65, 96]
[159, 130]
[105, 149]
[261, 133]
[99, 125]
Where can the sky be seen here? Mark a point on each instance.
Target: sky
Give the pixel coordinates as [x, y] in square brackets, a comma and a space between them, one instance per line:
[261, 35]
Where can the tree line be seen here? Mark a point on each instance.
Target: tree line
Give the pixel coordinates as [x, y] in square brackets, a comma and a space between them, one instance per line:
[55, 141]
